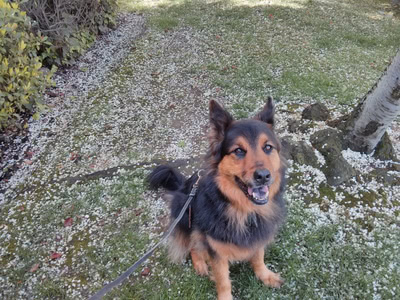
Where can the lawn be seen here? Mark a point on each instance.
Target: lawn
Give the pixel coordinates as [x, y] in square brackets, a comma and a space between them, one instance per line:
[64, 234]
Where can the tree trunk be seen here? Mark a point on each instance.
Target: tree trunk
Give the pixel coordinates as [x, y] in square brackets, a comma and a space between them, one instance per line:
[370, 119]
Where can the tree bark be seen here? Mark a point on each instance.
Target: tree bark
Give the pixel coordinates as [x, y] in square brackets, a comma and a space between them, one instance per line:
[370, 119]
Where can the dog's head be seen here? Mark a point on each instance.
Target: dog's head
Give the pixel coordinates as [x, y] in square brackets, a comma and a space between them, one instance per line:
[245, 153]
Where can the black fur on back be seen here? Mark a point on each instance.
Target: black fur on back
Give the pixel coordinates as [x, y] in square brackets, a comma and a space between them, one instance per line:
[209, 206]
[208, 214]
[166, 177]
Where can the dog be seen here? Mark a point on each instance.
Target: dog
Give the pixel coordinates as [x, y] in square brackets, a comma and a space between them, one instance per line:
[239, 204]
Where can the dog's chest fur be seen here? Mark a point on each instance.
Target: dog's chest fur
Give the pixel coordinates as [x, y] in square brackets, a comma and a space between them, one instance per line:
[210, 218]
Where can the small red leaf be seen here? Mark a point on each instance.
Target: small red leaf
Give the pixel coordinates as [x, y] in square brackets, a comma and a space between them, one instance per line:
[145, 271]
[34, 268]
[138, 212]
[74, 156]
[55, 255]
[68, 222]
[51, 94]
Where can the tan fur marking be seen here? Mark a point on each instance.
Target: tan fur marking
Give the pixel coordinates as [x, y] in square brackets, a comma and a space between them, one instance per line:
[262, 272]
[178, 246]
[232, 252]
[198, 253]
[220, 269]
[199, 262]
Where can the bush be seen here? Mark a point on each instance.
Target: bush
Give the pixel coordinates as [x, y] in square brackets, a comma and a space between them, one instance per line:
[22, 80]
[71, 25]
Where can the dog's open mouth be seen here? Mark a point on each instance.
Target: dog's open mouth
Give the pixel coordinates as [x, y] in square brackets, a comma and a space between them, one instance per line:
[259, 194]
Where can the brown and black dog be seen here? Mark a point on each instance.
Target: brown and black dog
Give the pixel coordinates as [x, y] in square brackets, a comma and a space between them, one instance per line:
[239, 203]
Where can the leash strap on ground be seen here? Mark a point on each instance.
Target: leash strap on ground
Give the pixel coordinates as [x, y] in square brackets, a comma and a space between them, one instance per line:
[108, 287]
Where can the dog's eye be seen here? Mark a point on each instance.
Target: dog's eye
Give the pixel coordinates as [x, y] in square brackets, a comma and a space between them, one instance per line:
[268, 148]
[239, 152]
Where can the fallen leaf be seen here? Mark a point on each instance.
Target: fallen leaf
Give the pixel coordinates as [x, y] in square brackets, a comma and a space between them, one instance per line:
[55, 255]
[51, 94]
[28, 154]
[28, 162]
[234, 67]
[68, 222]
[34, 268]
[145, 271]
[74, 156]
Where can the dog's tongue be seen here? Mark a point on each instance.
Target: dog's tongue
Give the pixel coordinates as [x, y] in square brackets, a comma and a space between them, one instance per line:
[259, 193]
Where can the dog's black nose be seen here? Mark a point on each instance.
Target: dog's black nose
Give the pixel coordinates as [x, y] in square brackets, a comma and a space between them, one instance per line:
[261, 176]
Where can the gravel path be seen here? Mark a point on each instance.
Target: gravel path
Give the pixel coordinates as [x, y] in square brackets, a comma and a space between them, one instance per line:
[127, 101]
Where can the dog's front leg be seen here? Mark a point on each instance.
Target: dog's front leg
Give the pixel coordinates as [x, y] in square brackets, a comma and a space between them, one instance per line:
[220, 268]
[262, 272]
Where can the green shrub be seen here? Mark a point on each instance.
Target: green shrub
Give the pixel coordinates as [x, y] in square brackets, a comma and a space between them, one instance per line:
[22, 80]
[70, 25]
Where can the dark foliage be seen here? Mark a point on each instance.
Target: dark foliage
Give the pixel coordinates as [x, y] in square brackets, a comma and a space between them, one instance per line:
[70, 25]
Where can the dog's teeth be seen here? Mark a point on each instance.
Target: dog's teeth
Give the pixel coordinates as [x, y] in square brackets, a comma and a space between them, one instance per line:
[257, 196]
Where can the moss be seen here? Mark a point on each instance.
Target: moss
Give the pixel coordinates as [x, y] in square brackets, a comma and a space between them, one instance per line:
[368, 198]
[326, 191]
[11, 251]
[295, 178]
[79, 243]
[293, 107]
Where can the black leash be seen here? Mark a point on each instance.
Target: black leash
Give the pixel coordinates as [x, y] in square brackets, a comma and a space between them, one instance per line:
[109, 286]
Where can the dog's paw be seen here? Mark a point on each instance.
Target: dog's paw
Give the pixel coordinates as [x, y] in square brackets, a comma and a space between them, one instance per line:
[201, 268]
[272, 279]
[225, 296]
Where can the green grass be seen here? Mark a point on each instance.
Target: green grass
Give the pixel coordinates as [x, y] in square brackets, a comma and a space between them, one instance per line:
[320, 47]
[295, 50]
[315, 261]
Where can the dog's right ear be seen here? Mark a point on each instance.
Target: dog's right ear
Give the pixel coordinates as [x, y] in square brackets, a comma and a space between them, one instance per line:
[220, 119]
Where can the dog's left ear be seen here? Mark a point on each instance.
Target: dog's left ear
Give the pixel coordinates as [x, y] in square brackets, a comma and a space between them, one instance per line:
[267, 114]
